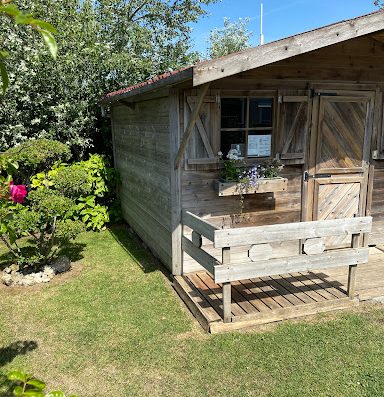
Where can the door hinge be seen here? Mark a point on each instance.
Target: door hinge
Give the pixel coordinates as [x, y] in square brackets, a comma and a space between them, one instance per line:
[307, 176]
[314, 93]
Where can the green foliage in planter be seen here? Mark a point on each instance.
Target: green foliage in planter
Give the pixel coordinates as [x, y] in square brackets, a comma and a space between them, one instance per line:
[37, 155]
[26, 385]
[270, 169]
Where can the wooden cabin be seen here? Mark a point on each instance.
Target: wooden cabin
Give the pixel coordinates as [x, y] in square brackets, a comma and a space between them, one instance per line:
[314, 101]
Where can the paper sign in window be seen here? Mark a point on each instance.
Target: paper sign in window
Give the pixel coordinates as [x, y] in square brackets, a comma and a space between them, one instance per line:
[259, 145]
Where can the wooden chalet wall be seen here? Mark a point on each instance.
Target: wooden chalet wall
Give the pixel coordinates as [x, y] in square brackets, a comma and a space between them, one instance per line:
[351, 66]
[142, 156]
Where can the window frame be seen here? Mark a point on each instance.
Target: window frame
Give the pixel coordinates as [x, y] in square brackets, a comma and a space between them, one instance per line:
[247, 128]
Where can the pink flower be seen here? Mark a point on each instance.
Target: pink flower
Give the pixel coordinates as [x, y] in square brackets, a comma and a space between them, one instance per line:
[18, 192]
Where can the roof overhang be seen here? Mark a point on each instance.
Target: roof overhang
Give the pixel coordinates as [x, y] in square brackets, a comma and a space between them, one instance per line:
[266, 54]
[159, 82]
[253, 58]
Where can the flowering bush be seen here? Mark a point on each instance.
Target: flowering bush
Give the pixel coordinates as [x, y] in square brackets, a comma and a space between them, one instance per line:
[43, 215]
[44, 218]
[17, 192]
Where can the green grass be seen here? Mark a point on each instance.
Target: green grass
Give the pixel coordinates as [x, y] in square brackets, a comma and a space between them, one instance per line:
[114, 327]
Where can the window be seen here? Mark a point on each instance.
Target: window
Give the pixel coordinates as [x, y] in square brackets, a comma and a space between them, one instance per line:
[246, 124]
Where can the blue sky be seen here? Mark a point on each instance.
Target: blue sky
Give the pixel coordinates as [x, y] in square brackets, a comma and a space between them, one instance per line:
[281, 17]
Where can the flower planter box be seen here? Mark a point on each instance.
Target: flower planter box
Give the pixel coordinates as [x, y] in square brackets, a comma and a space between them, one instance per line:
[263, 186]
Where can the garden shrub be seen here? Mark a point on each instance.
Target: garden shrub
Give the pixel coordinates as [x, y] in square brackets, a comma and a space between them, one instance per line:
[91, 183]
[37, 155]
[62, 201]
[72, 181]
[44, 219]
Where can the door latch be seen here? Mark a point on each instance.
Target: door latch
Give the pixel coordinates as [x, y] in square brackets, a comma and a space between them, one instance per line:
[307, 176]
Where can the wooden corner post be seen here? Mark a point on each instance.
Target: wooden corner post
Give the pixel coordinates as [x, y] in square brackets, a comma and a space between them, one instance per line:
[227, 299]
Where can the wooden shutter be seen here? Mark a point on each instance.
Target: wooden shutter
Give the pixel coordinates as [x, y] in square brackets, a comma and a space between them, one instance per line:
[293, 125]
[204, 140]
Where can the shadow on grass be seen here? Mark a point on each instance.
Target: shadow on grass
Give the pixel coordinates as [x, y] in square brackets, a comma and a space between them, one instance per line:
[7, 354]
[137, 249]
[74, 251]
[19, 348]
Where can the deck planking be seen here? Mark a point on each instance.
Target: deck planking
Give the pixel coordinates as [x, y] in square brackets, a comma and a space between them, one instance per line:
[270, 299]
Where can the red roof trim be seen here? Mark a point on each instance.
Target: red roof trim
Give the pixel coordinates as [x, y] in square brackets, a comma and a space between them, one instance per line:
[150, 81]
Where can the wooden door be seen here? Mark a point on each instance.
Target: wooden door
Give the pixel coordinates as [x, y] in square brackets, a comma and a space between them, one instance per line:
[337, 177]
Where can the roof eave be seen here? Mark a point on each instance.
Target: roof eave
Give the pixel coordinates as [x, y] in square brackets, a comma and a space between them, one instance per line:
[170, 81]
[253, 58]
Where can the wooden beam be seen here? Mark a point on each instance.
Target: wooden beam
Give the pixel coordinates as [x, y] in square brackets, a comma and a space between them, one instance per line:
[301, 263]
[213, 160]
[207, 261]
[191, 124]
[201, 226]
[291, 231]
[253, 58]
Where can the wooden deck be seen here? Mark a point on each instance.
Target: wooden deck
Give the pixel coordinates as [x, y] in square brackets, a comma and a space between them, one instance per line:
[269, 299]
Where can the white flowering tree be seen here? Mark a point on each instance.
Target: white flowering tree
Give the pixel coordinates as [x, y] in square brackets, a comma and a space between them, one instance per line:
[104, 45]
[10, 11]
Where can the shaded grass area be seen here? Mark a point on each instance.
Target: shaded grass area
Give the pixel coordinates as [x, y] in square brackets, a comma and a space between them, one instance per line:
[116, 328]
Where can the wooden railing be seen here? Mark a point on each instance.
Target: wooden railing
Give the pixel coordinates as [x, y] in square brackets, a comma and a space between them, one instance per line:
[311, 234]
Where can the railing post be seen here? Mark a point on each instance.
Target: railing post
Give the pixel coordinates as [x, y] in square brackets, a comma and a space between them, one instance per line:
[353, 268]
[227, 299]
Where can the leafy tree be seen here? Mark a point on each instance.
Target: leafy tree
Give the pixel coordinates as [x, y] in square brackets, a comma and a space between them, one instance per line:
[18, 17]
[104, 45]
[233, 37]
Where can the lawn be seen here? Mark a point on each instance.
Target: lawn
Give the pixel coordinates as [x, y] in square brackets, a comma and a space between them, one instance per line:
[114, 327]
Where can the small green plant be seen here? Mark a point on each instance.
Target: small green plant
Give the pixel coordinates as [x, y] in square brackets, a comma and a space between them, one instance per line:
[233, 166]
[95, 216]
[26, 385]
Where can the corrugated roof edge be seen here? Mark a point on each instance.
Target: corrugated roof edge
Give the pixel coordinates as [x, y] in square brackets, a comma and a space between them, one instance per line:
[165, 79]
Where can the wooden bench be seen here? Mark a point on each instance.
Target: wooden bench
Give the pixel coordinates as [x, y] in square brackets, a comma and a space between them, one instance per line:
[261, 264]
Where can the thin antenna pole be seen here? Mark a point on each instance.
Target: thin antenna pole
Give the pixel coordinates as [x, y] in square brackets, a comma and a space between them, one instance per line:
[261, 25]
